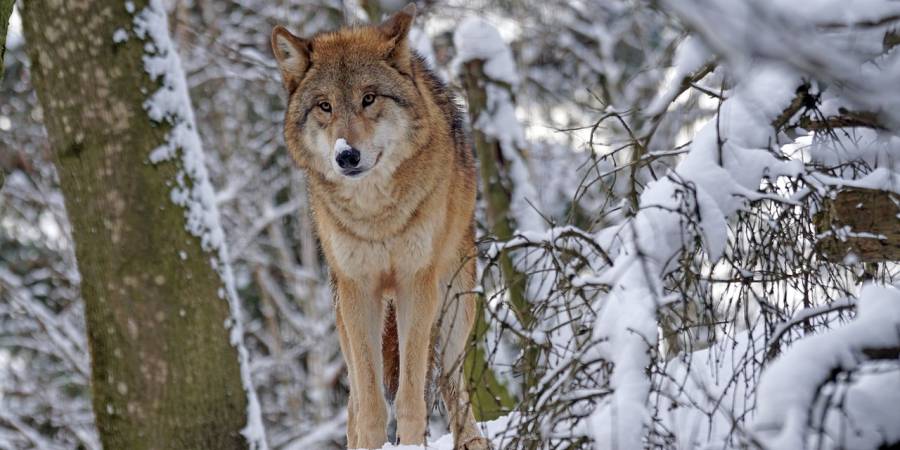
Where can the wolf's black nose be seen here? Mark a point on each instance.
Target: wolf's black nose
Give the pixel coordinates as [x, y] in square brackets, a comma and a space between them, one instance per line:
[348, 159]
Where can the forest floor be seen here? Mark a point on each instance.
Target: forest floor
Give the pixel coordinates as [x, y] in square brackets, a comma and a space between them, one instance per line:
[493, 429]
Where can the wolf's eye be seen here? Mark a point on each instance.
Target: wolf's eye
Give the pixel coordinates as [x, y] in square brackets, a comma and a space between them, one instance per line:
[325, 106]
[368, 99]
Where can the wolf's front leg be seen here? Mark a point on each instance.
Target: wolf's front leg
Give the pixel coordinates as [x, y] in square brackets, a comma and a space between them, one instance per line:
[361, 316]
[417, 305]
[346, 350]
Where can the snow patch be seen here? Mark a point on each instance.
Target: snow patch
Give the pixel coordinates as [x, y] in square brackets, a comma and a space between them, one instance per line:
[120, 35]
[690, 56]
[493, 430]
[340, 145]
[477, 39]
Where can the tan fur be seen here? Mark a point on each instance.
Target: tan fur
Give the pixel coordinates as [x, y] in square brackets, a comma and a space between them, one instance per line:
[401, 231]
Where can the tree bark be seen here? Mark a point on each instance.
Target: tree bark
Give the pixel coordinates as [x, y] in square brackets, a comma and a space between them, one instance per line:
[862, 222]
[495, 182]
[6, 7]
[164, 374]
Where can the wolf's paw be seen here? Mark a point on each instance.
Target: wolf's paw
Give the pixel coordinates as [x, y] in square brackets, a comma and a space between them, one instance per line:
[475, 443]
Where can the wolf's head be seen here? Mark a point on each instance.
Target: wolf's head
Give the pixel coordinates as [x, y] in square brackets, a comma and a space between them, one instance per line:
[353, 106]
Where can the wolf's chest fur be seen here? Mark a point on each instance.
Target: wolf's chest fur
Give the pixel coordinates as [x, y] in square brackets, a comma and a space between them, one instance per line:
[380, 227]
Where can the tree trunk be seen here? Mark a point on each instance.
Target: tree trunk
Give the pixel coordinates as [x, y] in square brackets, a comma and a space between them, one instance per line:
[862, 222]
[6, 7]
[494, 182]
[164, 374]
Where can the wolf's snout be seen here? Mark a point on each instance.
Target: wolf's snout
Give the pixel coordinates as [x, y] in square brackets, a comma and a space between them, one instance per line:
[348, 158]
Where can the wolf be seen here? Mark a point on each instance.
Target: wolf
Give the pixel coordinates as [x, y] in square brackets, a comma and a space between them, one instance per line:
[392, 186]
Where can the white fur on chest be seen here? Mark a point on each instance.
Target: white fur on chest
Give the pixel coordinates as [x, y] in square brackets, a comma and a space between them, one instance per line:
[403, 254]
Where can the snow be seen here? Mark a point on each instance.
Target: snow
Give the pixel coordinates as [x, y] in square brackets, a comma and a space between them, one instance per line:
[120, 35]
[14, 36]
[783, 411]
[706, 380]
[839, 11]
[690, 56]
[717, 178]
[476, 39]
[874, 148]
[881, 178]
[493, 430]
[812, 38]
[421, 44]
[870, 418]
[171, 104]
[340, 145]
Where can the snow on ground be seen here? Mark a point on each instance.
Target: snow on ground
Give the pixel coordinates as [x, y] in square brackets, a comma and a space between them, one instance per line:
[494, 429]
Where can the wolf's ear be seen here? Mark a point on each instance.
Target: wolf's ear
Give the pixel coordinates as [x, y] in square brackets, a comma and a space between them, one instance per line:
[292, 54]
[396, 30]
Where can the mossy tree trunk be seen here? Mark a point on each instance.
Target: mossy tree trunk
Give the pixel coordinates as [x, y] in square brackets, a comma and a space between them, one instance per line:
[496, 187]
[496, 190]
[164, 374]
[6, 7]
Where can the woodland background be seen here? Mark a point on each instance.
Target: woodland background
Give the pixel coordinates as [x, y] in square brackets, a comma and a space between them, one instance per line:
[688, 221]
